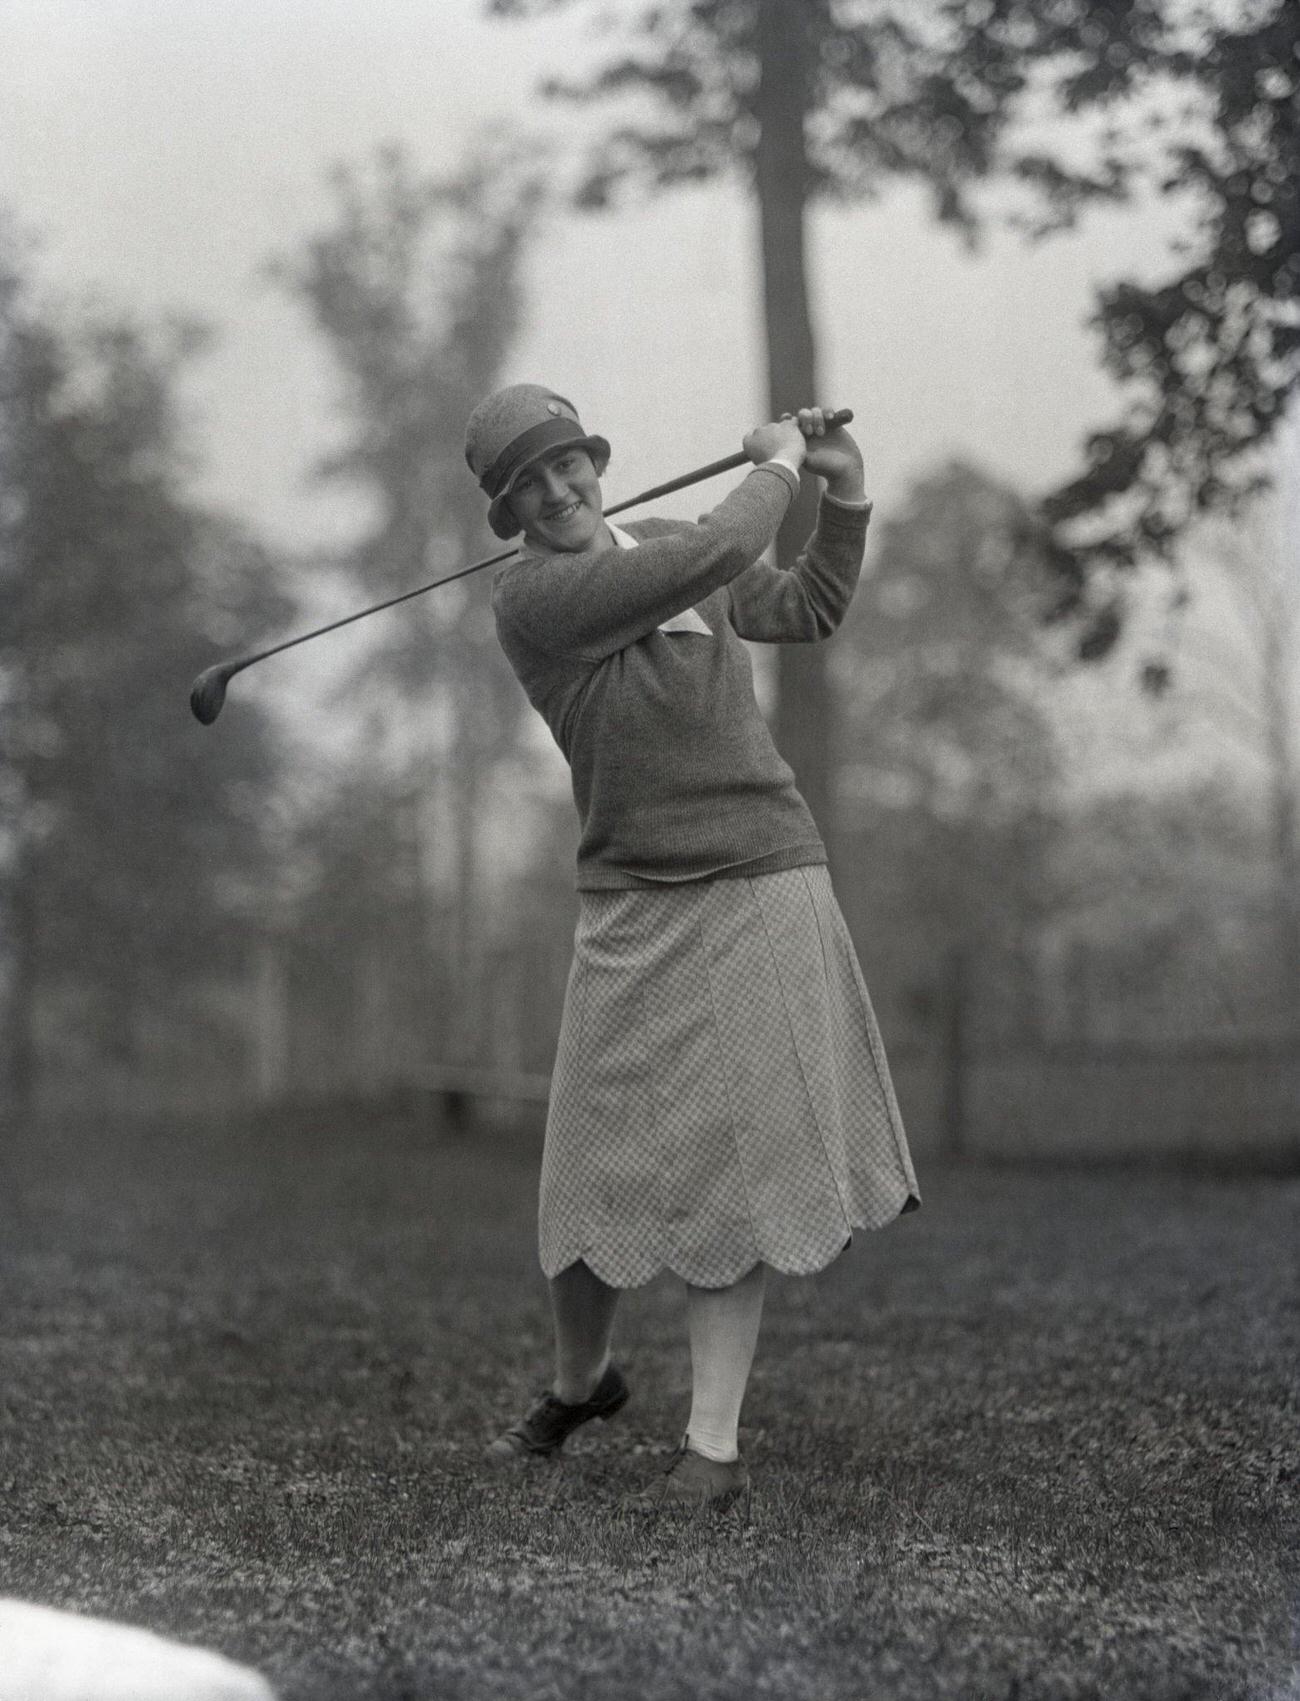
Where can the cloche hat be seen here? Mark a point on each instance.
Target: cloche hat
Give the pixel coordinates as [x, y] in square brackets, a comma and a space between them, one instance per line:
[511, 428]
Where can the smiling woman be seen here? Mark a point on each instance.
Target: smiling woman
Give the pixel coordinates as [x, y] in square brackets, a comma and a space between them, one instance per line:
[557, 501]
[513, 445]
[720, 1101]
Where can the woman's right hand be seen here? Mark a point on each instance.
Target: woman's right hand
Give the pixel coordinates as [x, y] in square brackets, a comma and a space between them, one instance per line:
[782, 437]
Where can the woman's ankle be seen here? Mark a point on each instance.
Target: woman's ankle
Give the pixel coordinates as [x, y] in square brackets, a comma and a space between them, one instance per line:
[575, 1387]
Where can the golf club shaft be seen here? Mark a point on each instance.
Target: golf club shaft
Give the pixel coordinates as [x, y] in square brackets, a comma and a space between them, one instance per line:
[696, 477]
[227, 670]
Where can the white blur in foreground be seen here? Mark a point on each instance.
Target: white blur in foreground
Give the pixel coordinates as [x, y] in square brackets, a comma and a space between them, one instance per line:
[47, 1655]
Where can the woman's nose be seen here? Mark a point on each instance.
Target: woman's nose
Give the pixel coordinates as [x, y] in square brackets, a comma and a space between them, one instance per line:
[556, 488]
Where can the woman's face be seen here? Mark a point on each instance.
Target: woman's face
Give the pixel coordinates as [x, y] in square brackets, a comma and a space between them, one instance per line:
[557, 501]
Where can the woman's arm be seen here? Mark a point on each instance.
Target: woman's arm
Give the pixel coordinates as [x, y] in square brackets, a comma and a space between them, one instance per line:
[807, 602]
[594, 603]
[810, 600]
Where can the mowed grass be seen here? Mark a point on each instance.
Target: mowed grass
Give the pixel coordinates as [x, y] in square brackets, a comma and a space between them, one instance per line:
[1038, 1440]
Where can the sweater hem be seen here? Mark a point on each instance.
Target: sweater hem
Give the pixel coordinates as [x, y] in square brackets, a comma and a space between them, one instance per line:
[604, 878]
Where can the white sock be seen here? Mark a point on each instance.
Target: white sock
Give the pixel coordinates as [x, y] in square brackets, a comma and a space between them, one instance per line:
[723, 1325]
[714, 1444]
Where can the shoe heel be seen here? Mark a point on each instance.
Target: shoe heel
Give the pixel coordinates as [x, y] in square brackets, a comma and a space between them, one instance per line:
[617, 1407]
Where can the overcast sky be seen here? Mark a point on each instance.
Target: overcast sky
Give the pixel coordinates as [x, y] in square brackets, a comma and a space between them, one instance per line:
[162, 150]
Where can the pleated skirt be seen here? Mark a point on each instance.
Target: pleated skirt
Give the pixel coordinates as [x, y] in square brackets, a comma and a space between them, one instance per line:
[720, 1092]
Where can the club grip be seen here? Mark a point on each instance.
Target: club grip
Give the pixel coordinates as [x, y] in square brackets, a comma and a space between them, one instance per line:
[839, 416]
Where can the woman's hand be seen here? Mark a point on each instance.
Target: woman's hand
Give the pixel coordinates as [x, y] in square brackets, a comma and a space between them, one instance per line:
[833, 455]
[804, 440]
[782, 437]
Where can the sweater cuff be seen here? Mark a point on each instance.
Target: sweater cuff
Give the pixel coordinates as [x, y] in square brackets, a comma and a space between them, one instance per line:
[863, 507]
[781, 461]
[788, 476]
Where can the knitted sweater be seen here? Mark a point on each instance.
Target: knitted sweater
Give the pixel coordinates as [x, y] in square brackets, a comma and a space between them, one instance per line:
[674, 771]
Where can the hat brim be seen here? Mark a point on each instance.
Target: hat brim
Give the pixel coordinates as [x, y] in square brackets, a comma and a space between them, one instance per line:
[500, 515]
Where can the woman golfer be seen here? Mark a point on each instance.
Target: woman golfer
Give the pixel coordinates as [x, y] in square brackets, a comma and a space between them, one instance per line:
[720, 1101]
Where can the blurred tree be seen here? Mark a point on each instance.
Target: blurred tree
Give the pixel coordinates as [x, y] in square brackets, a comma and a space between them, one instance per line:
[1250, 692]
[949, 759]
[1150, 915]
[1164, 919]
[364, 989]
[130, 843]
[836, 98]
[415, 287]
[1201, 103]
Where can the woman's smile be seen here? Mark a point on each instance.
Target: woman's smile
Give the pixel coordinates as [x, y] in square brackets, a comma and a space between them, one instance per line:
[557, 501]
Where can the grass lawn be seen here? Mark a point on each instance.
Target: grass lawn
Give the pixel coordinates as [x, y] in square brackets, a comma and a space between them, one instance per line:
[1038, 1440]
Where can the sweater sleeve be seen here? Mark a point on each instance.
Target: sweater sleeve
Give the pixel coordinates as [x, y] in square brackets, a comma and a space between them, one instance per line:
[593, 603]
[808, 601]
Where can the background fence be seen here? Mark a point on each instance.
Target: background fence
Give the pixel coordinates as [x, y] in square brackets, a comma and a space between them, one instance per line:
[1197, 1103]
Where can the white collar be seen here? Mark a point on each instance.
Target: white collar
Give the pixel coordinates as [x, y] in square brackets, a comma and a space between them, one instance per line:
[623, 539]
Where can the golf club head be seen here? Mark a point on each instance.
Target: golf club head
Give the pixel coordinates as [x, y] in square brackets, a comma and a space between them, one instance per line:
[208, 693]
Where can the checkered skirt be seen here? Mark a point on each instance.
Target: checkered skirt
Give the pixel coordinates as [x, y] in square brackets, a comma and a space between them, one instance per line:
[720, 1092]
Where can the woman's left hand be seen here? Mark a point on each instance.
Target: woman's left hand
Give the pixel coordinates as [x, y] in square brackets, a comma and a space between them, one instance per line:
[833, 455]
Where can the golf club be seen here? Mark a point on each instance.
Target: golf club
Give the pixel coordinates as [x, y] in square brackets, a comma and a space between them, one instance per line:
[208, 692]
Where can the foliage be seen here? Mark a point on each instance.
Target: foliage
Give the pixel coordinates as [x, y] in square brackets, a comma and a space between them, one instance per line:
[414, 287]
[365, 987]
[890, 91]
[948, 764]
[1193, 100]
[943, 648]
[1158, 908]
[1165, 919]
[1204, 105]
[133, 839]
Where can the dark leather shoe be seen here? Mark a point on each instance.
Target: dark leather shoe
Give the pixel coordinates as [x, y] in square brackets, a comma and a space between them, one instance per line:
[692, 1481]
[549, 1422]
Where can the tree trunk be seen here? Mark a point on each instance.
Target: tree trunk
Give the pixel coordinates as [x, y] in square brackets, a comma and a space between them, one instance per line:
[956, 1052]
[371, 1037]
[468, 1038]
[804, 728]
[1284, 824]
[268, 1035]
[20, 1048]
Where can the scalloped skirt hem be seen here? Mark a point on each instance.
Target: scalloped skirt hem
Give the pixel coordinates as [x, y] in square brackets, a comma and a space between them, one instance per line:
[607, 1268]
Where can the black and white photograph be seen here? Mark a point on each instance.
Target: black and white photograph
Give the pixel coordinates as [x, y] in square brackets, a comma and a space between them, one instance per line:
[649, 850]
